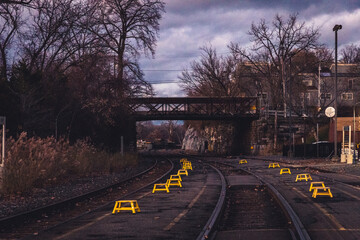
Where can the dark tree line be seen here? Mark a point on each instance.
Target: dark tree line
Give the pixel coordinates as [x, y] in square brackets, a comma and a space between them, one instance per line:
[67, 66]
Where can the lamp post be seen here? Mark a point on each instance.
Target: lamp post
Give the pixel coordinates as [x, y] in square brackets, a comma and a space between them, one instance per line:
[335, 29]
[354, 117]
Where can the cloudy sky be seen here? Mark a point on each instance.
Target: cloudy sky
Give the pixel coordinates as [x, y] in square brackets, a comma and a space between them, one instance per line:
[188, 25]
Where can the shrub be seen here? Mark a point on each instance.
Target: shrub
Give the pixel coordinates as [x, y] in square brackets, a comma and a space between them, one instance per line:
[35, 162]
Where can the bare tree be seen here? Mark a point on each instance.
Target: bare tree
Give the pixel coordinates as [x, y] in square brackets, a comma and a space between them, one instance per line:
[350, 54]
[21, 2]
[273, 46]
[212, 75]
[128, 28]
[10, 22]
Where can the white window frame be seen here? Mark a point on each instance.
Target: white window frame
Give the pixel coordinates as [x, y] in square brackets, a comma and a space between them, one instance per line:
[347, 96]
[325, 96]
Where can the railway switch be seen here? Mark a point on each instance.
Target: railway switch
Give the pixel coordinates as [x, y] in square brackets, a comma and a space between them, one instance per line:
[273, 165]
[160, 187]
[316, 184]
[285, 170]
[124, 205]
[325, 192]
[303, 176]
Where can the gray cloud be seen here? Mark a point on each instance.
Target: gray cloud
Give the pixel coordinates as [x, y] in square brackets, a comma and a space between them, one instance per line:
[188, 25]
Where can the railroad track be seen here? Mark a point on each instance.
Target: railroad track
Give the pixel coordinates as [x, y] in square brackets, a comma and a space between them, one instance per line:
[36, 220]
[323, 217]
[251, 208]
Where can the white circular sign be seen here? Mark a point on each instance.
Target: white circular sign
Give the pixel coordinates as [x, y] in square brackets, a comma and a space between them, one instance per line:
[330, 112]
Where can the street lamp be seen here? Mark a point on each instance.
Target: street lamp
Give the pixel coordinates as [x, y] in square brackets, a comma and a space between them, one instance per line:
[354, 117]
[335, 29]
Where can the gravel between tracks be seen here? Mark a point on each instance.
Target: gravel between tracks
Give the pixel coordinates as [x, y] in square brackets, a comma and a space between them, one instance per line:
[38, 197]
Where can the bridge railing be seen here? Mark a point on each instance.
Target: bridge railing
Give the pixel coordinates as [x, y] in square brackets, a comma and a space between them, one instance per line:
[193, 107]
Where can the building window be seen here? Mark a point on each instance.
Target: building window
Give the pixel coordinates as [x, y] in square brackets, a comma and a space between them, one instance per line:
[325, 96]
[262, 95]
[351, 81]
[347, 96]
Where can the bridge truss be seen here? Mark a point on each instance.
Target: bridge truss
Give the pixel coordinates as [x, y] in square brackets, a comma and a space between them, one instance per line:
[193, 108]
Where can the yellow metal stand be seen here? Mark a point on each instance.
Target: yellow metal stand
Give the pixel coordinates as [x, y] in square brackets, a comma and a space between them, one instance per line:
[326, 192]
[273, 165]
[187, 165]
[133, 206]
[303, 176]
[316, 184]
[182, 172]
[285, 170]
[175, 177]
[160, 187]
[242, 161]
[173, 182]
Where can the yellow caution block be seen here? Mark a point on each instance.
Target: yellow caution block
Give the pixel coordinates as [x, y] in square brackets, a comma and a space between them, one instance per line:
[273, 165]
[316, 184]
[325, 192]
[182, 172]
[285, 170]
[173, 182]
[131, 205]
[160, 187]
[183, 160]
[175, 177]
[187, 165]
[242, 161]
[303, 176]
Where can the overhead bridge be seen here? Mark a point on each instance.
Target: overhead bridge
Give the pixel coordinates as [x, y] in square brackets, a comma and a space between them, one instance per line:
[193, 108]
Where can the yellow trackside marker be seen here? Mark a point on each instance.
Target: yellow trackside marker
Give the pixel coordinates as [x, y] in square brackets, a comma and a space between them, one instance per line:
[187, 165]
[285, 170]
[316, 184]
[325, 192]
[242, 161]
[160, 187]
[182, 172]
[273, 165]
[303, 176]
[119, 205]
[173, 182]
[175, 177]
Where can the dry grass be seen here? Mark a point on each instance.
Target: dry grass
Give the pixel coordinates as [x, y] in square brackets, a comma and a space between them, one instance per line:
[36, 162]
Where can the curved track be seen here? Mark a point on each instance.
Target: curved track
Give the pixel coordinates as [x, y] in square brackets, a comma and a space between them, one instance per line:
[182, 213]
[30, 222]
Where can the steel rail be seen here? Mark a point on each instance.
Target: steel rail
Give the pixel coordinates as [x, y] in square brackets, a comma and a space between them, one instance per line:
[19, 219]
[299, 227]
[112, 202]
[208, 228]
